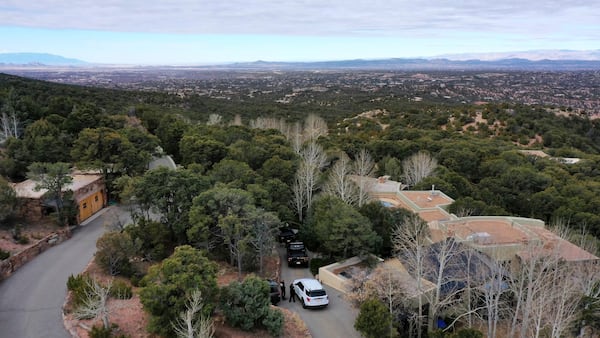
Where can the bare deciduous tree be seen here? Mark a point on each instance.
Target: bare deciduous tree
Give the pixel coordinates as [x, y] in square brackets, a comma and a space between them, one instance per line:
[417, 167]
[264, 226]
[236, 235]
[116, 221]
[565, 297]
[314, 127]
[339, 183]
[298, 199]
[364, 168]
[492, 292]
[384, 283]
[94, 303]
[270, 123]
[443, 265]
[9, 122]
[312, 160]
[409, 241]
[464, 212]
[294, 135]
[533, 287]
[357, 291]
[191, 323]
[582, 281]
[214, 120]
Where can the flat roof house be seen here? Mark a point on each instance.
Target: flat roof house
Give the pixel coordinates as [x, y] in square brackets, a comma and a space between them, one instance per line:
[503, 238]
[89, 192]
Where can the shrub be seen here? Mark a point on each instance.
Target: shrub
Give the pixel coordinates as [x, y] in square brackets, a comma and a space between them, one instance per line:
[76, 281]
[23, 239]
[79, 285]
[4, 255]
[467, 333]
[374, 319]
[16, 232]
[247, 305]
[18, 236]
[273, 322]
[102, 332]
[114, 252]
[136, 278]
[121, 290]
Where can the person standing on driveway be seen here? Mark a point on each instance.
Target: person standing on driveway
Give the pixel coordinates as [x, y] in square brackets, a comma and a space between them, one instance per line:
[282, 287]
[292, 293]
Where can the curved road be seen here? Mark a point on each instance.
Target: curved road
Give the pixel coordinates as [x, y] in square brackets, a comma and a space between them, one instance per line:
[336, 320]
[31, 299]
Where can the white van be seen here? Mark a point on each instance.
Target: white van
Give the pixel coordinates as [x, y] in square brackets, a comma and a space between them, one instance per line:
[311, 293]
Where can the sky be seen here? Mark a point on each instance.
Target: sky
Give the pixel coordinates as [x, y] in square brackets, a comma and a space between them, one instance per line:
[223, 31]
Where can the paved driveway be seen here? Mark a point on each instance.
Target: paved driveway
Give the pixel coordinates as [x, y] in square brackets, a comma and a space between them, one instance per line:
[336, 320]
[31, 299]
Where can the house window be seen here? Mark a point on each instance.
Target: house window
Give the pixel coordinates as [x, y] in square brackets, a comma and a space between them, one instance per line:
[84, 205]
[96, 198]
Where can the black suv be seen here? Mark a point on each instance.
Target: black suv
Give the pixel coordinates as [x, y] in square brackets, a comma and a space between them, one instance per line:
[296, 254]
[274, 291]
[286, 235]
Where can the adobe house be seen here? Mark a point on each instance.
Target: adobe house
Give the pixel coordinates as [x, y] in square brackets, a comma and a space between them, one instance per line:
[89, 192]
[503, 238]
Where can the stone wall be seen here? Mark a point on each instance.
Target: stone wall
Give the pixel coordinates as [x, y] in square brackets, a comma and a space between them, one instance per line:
[30, 209]
[12, 263]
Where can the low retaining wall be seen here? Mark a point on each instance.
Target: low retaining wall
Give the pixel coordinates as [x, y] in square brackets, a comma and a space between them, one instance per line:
[327, 275]
[12, 263]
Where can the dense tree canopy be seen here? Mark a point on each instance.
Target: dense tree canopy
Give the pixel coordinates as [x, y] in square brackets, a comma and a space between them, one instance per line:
[338, 229]
[8, 200]
[169, 193]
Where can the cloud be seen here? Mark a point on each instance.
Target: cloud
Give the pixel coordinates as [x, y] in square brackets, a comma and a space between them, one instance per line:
[539, 18]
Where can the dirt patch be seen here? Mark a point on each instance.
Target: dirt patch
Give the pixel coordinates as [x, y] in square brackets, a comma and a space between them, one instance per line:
[294, 327]
[128, 314]
[349, 269]
[31, 231]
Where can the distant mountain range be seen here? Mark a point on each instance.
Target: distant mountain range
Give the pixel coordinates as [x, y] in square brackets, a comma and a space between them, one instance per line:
[532, 55]
[38, 59]
[425, 64]
[528, 60]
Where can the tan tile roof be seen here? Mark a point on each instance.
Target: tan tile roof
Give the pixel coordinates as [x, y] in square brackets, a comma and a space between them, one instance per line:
[425, 199]
[433, 215]
[565, 249]
[487, 231]
[481, 230]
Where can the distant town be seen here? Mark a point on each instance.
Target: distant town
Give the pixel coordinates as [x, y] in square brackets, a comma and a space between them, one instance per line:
[572, 92]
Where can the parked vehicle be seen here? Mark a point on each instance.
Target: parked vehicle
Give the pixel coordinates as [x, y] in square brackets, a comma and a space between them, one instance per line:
[311, 293]
[274, 291]
[287, 235]
[296, 254]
